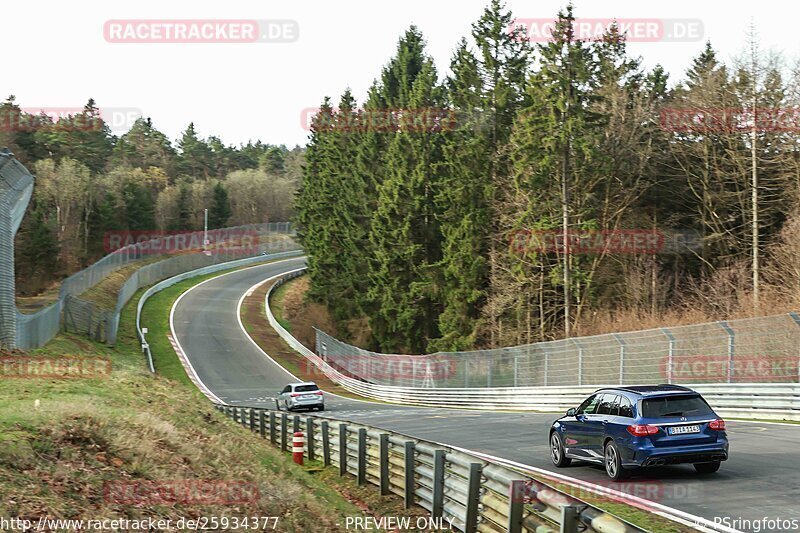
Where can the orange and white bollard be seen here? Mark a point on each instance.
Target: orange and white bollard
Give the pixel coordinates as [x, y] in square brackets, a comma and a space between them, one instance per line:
[297, 447]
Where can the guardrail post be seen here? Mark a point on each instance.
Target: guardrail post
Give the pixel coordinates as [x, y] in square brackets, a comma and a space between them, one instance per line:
[296, 423]
[473, 497]
[438, 483]
[546, 366]
[516, 503]
[310, 438]
[362, 456]
[326, 445]
[796, 319]
[383, 454]
[252, 419]
[580, 360]
[670, 353]
[621, 342]
[242, 418]
[342, 449]
[262, 427]
[284, 431]
[273, 433]
[516, 371]
[569, 519]
[410, 478]
[731, 347]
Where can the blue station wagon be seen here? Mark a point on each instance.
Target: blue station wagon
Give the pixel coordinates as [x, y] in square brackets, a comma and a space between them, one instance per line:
[625, 428]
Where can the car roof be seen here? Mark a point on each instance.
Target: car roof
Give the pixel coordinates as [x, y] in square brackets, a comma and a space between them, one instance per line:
[302, 383]
[651, 390]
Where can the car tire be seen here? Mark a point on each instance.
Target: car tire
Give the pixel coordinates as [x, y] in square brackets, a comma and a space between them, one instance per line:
[557, 454]
[321, 407]
[707, 468]
[612, 460]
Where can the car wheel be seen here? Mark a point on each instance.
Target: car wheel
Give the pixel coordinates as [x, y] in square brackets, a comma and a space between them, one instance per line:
[557, 453]
[321, 407]
[613, 462]
[707, 468]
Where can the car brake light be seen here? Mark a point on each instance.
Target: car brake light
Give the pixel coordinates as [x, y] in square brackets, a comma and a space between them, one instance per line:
[295, 395]
[319, 393]
[717, 425]
[641, 430]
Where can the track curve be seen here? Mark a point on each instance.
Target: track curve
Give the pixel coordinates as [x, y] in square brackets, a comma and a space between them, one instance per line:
[762, 478]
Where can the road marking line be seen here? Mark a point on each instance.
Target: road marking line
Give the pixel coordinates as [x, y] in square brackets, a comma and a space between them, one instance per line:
[182, 357]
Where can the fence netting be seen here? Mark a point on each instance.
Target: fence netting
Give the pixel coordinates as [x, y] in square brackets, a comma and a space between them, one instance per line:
[84, 316]
[16, 186]
[754, 350]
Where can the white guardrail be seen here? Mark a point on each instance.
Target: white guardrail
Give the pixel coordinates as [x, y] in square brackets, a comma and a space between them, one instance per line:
[768, 401]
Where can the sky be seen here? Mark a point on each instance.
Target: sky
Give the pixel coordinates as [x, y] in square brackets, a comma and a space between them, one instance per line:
[59, 54]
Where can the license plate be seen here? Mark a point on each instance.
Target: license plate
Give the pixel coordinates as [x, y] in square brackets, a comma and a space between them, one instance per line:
[309, 396]
[682, 430]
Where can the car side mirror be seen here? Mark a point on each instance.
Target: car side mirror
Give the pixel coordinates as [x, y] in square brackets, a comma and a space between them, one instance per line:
[571, 412]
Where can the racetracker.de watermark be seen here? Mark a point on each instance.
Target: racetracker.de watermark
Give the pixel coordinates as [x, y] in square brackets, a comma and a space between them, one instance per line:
[721, 368]
[392, 120]
[54, 367]
[30, 119]
[387, 367]
[592, 241]
[158, 242]
[168, 492]
[654, 490]
[730, 119]
[188, 31]
[642, 30]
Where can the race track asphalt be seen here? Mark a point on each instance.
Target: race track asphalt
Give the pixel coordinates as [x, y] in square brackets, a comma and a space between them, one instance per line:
[761, 478]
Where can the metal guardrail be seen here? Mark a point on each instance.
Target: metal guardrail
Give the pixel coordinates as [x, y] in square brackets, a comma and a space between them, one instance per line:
[469, 492]
[191, 274]
[748, 400]
[83, 317]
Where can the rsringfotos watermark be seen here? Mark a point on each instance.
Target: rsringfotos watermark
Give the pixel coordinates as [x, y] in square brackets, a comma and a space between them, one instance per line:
[644, 30]
[393, 120]
[758, 525]
[188, 31]
[720, 368]
[169, 492]
[157, 242]
[30, 119]
[596, 241]
[730, 120]
[54, 367]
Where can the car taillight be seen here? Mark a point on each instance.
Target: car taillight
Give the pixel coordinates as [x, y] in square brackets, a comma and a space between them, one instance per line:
[295, 395]
[717, 425]
[641, 430]
[319, 393]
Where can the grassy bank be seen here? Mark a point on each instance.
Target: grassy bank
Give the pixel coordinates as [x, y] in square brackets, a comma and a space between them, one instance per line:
[63, 440]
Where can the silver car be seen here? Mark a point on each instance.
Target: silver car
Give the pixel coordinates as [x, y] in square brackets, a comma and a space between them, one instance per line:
[301, 395]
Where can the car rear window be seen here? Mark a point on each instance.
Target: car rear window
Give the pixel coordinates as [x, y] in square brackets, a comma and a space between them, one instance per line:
[669, 406]
[306, 388]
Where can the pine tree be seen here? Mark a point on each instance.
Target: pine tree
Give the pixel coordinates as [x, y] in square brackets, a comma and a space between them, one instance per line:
[196, 158]
[463, 203]
[183, 210]
[404, 232]
[37, 253]
[220, 210]
[139, 207]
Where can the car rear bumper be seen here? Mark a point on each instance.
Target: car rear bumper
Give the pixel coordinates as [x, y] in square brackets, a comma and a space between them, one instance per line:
[681, 455]
[314, 403]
